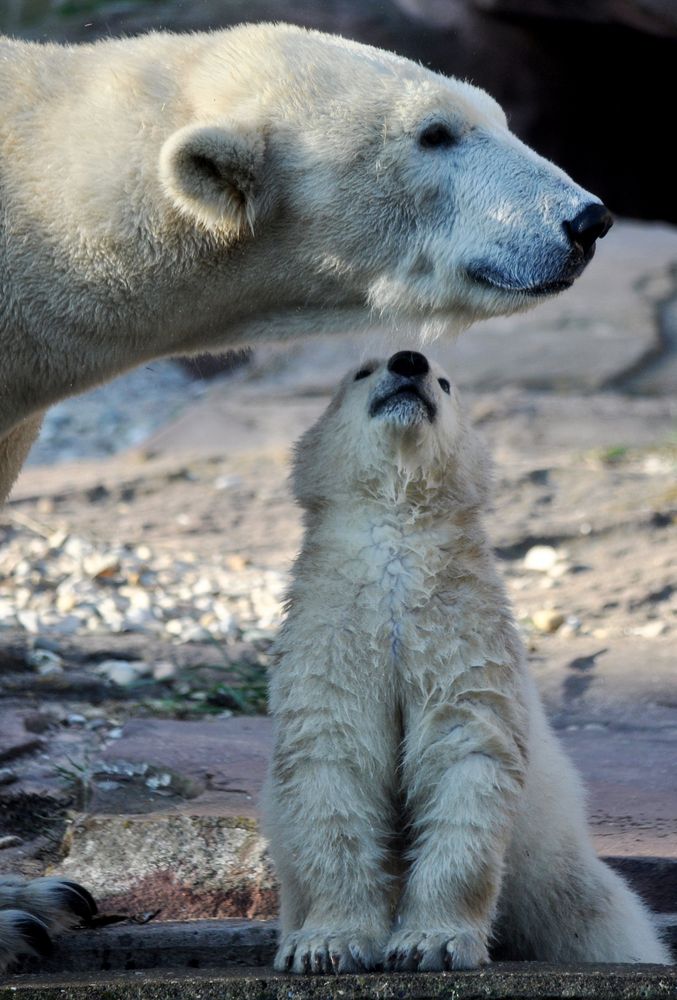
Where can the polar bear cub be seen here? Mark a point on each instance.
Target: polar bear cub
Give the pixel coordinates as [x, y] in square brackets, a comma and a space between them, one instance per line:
[419, 807]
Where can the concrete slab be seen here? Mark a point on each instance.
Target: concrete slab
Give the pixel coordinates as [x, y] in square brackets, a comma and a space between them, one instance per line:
[196, 944]
[526, 981]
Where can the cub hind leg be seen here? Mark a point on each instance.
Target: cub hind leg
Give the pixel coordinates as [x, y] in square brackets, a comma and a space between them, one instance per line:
[559, 901]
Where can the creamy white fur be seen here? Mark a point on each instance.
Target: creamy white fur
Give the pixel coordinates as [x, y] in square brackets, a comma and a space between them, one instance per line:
[419, 807]
[170, 194]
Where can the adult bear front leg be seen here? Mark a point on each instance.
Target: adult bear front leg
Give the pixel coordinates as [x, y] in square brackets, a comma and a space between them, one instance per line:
[328, 819]
[463, 771]
[14, 448]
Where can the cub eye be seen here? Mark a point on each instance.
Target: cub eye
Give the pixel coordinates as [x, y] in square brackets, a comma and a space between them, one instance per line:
[445, 385]
[363, 373]
[435, 136]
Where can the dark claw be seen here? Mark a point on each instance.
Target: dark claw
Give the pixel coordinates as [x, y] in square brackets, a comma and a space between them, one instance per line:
[335, 960]
[34, 933]
[289, 961]
[78, 900]
[86, 895]
[306, 964]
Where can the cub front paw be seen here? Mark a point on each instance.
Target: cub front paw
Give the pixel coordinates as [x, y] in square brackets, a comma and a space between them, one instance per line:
[321, 950]
[432, 951]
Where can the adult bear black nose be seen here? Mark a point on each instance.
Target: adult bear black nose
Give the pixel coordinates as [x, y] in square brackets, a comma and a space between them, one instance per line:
[591, 224]
[409, 363]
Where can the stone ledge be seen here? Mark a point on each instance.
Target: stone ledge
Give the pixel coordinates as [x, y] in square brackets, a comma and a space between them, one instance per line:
[184, 945]
[508, 981]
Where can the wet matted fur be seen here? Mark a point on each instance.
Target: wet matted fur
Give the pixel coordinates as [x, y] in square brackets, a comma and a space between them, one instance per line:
[419, 807]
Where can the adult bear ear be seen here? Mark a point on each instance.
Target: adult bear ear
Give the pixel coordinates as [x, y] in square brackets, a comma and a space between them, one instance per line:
[212, 174]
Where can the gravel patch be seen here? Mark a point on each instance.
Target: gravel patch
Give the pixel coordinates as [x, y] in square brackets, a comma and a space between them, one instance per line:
[63, 584]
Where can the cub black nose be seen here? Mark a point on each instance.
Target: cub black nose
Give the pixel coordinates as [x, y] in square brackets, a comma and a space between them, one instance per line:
[409, 363]
[591, 224]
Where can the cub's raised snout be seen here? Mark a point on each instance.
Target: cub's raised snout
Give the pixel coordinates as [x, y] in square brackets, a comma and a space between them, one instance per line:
[403, 393]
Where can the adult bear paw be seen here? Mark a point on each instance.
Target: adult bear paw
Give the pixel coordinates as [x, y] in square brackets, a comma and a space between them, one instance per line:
[318, 950]
[30, 911]
[433, 951]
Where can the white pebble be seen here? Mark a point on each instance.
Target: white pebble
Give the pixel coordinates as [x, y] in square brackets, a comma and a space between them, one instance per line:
[541, 558]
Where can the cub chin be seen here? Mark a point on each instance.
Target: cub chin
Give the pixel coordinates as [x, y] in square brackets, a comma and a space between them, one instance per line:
[420, 811]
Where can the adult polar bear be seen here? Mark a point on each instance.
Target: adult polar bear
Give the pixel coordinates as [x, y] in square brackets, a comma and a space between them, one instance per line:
[173, 194]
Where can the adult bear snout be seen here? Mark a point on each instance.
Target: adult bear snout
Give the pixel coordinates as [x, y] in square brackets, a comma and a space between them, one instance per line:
[409, 364]
[592, 223]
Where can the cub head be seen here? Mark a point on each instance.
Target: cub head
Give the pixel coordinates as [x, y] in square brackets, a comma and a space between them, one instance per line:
[393, 431]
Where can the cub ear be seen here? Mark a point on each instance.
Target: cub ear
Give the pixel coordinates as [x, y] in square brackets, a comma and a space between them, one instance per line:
[212, 174]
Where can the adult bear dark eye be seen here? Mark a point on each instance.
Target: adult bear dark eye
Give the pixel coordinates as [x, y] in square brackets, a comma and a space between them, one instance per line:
[363, 373]
[435, 136]
[445, 385]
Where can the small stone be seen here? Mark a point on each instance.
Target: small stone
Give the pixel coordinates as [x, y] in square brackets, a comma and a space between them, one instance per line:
[45, 661]
[75, 719]
[235, 562]
[28, 620]
[75, 547]
[65, 601]
[45, 505]
[164, 671]
[7, 776]
[57, 540]
[10, 841]
[547, 620]
[541, 558]
[651, 630]
[226, 482]
[559, 569]
[101, 566]
[97, 723]
[195, 633]
[68, 625]
[108, 786]
[120, 672]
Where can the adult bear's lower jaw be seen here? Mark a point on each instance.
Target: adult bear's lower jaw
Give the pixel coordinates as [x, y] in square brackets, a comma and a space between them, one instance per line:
[489, 278]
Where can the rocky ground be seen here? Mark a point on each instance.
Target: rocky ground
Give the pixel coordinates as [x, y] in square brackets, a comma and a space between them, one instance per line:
[140, 587]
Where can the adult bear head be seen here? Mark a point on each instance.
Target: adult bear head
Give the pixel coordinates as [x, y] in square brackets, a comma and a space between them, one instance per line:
[366, 188]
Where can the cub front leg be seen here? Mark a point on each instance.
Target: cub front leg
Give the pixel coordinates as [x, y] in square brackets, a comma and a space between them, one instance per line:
[463, 770]
[327, 816]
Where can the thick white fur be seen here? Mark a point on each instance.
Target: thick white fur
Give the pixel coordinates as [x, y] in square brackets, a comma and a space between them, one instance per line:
[419, 807]
[39, 898]
[170, 194]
